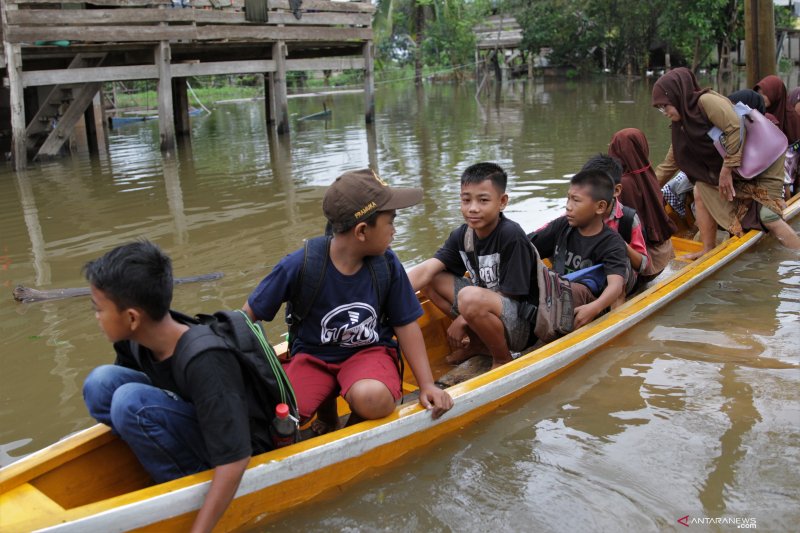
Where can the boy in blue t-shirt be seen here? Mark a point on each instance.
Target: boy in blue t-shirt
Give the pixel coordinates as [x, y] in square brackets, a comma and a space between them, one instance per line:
[486, 307]
[342, 345]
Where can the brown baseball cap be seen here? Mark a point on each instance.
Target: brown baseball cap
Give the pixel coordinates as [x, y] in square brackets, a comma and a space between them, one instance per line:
[357, 194]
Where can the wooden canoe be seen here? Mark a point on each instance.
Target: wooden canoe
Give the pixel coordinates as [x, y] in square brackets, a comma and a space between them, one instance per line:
[90, 481]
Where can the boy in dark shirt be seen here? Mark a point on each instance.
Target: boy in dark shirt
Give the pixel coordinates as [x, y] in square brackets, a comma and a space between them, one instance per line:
[485, 306]
[342, 346]
[214, 423]
[580, 239]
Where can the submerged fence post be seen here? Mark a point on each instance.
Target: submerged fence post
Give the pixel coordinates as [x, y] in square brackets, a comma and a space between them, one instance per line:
[369, 82]
[279, 87]
[13, 53]
[166, 115]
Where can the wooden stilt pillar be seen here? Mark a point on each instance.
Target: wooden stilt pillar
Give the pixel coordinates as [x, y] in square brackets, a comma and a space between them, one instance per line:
[95, 125]
[13, 54]
[369, 83]
[269, 99]
[279, 87]
[166, 114]
[759, 30]
[372, 147]
[180, 103]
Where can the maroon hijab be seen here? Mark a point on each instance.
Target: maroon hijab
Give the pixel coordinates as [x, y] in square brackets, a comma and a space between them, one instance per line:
[693, 149]
[640, 188]
[788, 119]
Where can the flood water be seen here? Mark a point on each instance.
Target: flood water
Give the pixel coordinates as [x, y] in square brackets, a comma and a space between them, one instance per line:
[695, 412]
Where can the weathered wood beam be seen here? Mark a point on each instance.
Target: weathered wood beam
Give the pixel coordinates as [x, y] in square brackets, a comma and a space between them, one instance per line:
[59, 17]
[109, 3]
[321, 19]
[323, 5]
[36, 78]
[13, 56]
[60, 134]
[166, 115]
[369, 84]
[279, 87]
[122, 34]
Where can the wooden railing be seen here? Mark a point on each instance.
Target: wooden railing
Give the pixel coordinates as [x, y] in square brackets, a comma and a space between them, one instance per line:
[201, 20]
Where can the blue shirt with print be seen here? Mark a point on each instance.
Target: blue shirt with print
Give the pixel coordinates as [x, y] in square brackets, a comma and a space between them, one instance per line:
[344, 318]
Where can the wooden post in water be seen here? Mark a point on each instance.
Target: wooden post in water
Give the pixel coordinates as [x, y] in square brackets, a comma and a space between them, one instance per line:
[269, 100]
[180, 103]
[369, 83]
[759, 32]
[279, 87]
[13, 53]
[166, 114]
[95, 125]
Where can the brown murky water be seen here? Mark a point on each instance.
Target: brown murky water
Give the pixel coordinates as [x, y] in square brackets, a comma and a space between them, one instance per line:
[695, 413]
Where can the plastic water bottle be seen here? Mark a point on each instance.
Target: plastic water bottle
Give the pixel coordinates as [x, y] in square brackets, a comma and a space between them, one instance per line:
[283, 427]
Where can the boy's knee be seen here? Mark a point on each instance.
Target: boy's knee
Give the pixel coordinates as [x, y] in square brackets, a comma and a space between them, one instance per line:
[474, 301]
[126, 402]
[370, 399]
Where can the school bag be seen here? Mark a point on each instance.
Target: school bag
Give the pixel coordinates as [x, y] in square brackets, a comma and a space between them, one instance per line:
[626, 224]
[552, 315]
[234, 331]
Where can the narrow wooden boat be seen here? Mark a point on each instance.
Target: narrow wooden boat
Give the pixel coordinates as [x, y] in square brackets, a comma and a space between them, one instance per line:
[90, 481]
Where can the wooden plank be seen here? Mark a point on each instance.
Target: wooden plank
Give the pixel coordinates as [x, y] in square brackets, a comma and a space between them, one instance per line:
[121, 34]
[321, 19]
[56, 139]
[326, 63]
[185, 70]
[108, 3]
[13, 55]
[35, 78]
[323, 5]
[58, 17]
[369, 83]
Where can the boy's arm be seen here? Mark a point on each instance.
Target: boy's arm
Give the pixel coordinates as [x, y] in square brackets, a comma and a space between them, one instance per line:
[246, 309]
[614, 289]
[223, 487]
[635, 258]
[422, 274]
[413, 345]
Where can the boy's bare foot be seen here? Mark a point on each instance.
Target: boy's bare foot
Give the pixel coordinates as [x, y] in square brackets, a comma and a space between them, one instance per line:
[327, 417]
[500, 362]
[462, 354]
[692, 256]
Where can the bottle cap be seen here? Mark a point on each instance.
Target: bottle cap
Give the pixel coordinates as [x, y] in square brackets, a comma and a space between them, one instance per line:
[281, 410]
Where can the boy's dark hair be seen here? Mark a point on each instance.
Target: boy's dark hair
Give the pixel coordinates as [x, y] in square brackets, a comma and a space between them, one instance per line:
[597, 181]
[344, 227]
[480, 172]
[134, 275]
[605, 163]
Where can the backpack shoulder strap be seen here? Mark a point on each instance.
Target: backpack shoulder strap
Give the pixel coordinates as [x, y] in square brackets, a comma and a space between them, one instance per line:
[560, 259]
[381, 279]
[626, 223]
[194, 342]
[469, 249]
[307, 285]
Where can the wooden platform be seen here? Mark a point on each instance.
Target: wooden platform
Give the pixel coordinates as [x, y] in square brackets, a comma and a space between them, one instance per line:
[69, 45]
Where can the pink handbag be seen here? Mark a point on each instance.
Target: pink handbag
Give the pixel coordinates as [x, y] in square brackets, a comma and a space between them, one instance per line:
[764, 142]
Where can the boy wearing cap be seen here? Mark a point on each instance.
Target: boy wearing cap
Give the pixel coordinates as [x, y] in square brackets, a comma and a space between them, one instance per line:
[342, 346]
[487, 307]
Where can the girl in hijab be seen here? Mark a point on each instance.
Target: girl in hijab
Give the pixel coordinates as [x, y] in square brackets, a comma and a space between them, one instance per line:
[733, 203]
[782, 107]
[640, 191]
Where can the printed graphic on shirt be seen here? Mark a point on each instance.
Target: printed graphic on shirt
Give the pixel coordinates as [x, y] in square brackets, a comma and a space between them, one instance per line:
[350, 325]
[574, 261]
[489, 266]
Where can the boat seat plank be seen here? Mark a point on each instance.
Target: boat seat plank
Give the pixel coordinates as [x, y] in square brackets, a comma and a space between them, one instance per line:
[24, 507]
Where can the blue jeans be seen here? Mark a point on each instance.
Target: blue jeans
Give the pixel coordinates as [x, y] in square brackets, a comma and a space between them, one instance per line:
[160, 427]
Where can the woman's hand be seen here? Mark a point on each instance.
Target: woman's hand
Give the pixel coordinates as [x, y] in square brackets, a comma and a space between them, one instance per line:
[726, 191]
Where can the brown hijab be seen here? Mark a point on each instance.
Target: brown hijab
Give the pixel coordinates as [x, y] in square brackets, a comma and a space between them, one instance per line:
[788, 119]
[692, 147]
[640, 188]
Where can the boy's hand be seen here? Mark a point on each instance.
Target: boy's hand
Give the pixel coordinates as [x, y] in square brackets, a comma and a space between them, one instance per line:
[435, 399]
[457, 334]
[583, 315]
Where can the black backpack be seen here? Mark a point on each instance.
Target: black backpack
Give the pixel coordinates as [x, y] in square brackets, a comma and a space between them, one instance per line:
[234, 331]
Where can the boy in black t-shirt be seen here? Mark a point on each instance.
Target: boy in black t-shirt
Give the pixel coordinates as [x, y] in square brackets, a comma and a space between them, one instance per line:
[496, 253]
[214, 423]
[580, 239]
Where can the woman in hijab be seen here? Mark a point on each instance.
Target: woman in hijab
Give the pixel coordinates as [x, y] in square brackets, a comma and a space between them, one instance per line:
[733, 203]
[783, 108]
[640, 191]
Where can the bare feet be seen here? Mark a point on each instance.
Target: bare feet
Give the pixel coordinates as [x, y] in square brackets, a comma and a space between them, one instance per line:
[497, 363]
[692, 256]
[327, 417]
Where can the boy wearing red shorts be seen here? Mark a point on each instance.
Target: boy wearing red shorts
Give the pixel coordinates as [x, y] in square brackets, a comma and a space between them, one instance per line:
[344, 344]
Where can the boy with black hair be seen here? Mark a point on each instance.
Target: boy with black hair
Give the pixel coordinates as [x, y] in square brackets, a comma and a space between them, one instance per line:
[580, 239]
[486, 307]
[623, 219]
[343, 343]
[211, 421]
